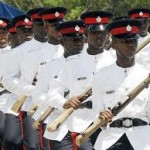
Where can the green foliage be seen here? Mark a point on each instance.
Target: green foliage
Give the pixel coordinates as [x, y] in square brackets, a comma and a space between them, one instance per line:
[76, 7]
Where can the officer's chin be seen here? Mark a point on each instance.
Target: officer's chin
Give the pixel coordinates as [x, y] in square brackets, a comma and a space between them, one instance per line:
[28, 38]
[3, 44]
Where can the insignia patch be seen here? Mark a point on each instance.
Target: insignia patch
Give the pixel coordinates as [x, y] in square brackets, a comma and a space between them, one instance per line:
[43, 63]
[77, 28]
[55, 77]
[110, 92]
[26, 20]
[56, 14]
[98, 19]
[81, 78]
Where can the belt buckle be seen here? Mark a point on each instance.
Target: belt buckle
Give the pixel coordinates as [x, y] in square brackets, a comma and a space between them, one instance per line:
[127, 123]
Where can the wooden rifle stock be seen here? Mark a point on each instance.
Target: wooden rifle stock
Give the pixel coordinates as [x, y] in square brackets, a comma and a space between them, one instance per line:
[115, 110]
[37, 123]
[58, 121]
[18, 104]
[143, 44]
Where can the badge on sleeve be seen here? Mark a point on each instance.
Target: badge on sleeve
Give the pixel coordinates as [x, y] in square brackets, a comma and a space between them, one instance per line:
[81, 78]
[110, 92]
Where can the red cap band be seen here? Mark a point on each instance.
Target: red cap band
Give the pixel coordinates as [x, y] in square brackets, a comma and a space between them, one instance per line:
[123, 30]
[12, 29]
[72, 30]
[97, 20]
[35, 16]
[22, 22]
[144, 15]
[53, 16]
[4, 24]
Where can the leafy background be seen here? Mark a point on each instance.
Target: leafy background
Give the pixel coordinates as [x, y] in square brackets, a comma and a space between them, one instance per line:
[76, 7]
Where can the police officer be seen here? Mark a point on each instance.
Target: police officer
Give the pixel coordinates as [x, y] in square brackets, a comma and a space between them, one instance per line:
[142, 14]
[97, 36]
[13, 36]
[13, 127]
[126, 129]
[4, 48]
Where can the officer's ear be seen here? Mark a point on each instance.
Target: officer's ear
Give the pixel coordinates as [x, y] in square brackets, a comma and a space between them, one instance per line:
[114, 42]
[108, 43]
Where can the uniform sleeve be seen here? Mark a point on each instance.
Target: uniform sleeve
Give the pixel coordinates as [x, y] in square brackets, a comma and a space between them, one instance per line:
[148, 105]
[12, 80]
[97, 95]
[56, 94]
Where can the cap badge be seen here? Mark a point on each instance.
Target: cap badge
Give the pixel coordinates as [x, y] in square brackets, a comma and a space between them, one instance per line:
[141, 13]
[77, 28]
[128, 28]
[98, 19]
[56, 14]
[26, 20]
[1, 21]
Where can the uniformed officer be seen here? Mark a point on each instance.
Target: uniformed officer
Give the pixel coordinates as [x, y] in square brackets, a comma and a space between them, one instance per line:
[72, 32]
[143, 57]
[97, 36]
[13, 127]
[4, 48]
[13, 36]
[127, 128]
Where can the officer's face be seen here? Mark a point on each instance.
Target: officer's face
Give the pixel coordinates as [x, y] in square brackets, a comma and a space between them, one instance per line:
[25, 33]
[126, 47]
[3, 37]
[73, 45]
[51, 32]
[39, 28]
[144, 27]
[97, 39]
[13, 37]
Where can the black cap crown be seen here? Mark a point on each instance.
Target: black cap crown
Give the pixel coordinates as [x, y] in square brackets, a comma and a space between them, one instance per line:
[139, 13]
[96, 20]
[71, 28]
[53, 14]
[34, 13]
[22, 20]
[126, 28]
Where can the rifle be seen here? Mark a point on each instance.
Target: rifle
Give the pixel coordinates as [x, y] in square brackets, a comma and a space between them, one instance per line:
[143, 44]
[115, 110]
[18, 104]
[37, 123]
[58, 121]
[33, 109]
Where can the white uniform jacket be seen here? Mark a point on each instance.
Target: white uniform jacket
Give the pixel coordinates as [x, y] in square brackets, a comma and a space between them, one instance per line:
[76, 77]
[143, 57]
[30, 56]
[112, 85]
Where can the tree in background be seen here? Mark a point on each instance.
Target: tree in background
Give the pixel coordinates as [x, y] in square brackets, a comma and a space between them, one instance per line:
[76, 7]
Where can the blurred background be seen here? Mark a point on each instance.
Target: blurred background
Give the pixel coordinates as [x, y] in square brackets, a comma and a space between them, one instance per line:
[76, 7]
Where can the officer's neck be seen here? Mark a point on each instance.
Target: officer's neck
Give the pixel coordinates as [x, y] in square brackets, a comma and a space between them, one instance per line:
[125, 63]
[91, 50]
[53, 41]
[68, 54]
[41, 39]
